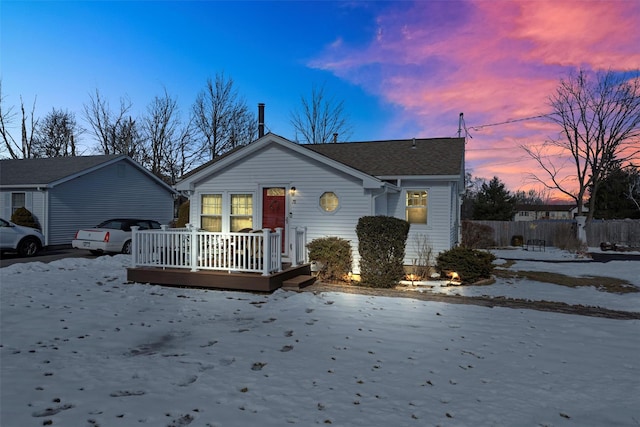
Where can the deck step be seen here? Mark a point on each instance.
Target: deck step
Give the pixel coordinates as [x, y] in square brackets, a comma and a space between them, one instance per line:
[298, 282]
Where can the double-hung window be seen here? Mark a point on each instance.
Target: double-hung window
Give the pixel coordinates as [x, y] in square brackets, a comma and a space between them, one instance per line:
[211, 212]
[18, 200]
[416, 207]
[241, 212]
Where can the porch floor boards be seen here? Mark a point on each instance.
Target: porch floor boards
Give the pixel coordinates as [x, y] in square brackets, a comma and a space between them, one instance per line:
[216, 279]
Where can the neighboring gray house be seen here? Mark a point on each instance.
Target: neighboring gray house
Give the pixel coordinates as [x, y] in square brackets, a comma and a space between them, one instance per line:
[68, 193]
[274, 182]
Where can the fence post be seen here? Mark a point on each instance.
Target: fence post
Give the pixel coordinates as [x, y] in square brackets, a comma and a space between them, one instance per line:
[193, 247]
[134, 245]
[266, 251]
[279, 248]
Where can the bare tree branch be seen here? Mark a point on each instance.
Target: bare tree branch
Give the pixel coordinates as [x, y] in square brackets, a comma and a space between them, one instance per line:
[600, 125]
[56, 135]
[319, 118]
[222, 118]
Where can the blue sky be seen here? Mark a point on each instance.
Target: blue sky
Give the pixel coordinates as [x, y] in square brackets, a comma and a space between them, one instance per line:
[404, 69]
[63, 51]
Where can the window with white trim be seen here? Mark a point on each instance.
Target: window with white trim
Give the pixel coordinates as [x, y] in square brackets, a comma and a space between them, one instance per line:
[416, 207]
[329, 201]
[211, 212]
[241, 212]
[18, 200]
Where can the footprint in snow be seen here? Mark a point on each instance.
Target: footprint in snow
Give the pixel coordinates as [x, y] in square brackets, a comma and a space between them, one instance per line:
[258, 366]
[286, 348]
[188, 381]
[127, 393]
[52, 411]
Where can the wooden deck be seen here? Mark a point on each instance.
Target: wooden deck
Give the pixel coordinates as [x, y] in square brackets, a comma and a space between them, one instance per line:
[216, 279]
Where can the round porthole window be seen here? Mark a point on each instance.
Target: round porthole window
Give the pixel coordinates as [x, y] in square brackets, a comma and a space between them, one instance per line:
[329, 201]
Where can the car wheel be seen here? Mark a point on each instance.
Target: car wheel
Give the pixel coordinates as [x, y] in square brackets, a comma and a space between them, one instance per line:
[28, 246]
[126, 249]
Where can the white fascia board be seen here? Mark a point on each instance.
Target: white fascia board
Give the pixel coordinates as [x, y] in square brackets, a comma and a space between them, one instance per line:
[24, 186]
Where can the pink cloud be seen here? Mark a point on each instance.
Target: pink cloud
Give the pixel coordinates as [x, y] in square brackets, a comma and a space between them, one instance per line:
[495, 61]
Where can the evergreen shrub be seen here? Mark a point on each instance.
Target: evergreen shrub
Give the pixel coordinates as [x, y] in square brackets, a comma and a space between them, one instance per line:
[333, 256]
[22, 216]
[381, 244]
[470, 264]
[183, 215]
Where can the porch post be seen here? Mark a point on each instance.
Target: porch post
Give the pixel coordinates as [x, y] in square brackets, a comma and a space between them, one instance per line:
[293, 237]
[303, 242]
[266, 251]
[134, 245]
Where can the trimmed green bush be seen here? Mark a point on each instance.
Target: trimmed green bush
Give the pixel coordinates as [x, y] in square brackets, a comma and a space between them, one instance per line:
[333, 255]
[22, 216]
[381, 244]
[470, 264]
[183, 215]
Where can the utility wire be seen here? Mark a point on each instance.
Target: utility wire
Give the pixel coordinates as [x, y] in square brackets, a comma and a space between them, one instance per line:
[506, 122]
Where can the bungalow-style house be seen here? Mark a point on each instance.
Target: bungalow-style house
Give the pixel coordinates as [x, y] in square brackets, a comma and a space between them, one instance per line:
[325, 188]
[68, 193]
[550, 212]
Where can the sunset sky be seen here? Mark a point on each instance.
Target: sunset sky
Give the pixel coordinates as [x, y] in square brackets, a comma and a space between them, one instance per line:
[403, 69]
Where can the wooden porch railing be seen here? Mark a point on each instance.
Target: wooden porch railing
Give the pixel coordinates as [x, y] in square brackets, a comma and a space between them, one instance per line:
[253, 252]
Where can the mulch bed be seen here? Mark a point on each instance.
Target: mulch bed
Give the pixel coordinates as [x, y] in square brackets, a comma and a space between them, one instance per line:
[550, 306]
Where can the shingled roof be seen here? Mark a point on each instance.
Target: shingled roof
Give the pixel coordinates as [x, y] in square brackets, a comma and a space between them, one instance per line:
[47, 170]
[423, 157]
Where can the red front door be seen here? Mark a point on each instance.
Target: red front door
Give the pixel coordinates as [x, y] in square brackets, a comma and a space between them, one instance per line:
[273, 210]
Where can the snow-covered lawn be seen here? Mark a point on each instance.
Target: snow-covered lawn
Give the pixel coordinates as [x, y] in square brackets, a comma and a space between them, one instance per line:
[81, 347]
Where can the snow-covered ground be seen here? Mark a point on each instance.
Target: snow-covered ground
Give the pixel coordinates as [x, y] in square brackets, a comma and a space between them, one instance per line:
[79, 346]
[554, 261]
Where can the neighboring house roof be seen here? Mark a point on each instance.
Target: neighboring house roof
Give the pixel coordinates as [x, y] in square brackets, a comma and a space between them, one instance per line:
[404, 157]
[548, 208]
[375, 159]
[49, 172]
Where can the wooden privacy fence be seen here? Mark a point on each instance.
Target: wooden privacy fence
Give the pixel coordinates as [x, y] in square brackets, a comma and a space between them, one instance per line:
[624, 231]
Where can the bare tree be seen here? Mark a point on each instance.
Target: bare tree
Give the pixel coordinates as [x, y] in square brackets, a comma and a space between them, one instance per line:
[168, 143]
[56, 136]
[221, 117]
[599, 120]
[117, 132]
[28, 125]
[633, 187]
[320, 118]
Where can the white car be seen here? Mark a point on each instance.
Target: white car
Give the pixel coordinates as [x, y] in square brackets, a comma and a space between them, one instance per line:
[112, 236]
[26, 241]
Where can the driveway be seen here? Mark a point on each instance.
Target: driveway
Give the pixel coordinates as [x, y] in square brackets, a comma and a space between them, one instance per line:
[7, 259]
